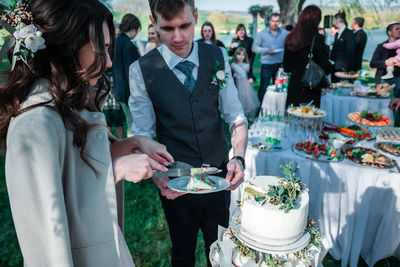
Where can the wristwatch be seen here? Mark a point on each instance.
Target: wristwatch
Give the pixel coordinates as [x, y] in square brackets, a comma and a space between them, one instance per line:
[241, 159]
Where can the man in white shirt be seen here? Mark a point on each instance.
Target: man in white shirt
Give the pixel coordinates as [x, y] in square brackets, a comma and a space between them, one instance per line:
[176, 94]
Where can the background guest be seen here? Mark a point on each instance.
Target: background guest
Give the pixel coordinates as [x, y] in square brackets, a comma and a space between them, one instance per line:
[322, 32]
[153, 40]
[381, 57]
[297, 48]
[289, 28]
[125, 54]
[242, 40]
[247, 96]
[361, 40]
[270, 43]
[343, 46]
[208, 35]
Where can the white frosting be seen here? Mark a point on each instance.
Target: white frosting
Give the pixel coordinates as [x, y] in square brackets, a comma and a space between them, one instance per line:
[268, 224]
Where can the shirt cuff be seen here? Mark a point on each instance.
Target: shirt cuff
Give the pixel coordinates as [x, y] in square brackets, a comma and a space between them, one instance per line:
[238, 118]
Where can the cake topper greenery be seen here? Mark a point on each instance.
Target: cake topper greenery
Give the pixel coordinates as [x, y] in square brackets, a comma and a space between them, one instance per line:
[288, 190]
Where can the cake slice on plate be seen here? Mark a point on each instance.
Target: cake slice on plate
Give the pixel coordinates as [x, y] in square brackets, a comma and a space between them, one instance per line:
[200, 182]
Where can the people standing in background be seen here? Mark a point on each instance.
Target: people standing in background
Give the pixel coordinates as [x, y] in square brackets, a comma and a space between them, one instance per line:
[289, 28]
[247, 96]
[383, 58]
[208, 35]
[360, 39]
[125, 54]
[297, 49]
[153, 40]
[270, 44]
[322, 32]
[343, 47]
[242, 40]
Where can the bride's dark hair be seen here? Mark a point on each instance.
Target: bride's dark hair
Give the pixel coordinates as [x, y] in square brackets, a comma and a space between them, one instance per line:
[67, 25]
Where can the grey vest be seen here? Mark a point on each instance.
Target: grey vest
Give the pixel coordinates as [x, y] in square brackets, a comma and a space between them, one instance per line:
[188, 124]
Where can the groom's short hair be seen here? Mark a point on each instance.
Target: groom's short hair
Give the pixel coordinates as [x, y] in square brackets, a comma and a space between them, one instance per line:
[169, 8]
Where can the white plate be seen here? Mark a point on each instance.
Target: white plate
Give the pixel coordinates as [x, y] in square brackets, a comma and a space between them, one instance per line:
[305, 115]
[179, 184]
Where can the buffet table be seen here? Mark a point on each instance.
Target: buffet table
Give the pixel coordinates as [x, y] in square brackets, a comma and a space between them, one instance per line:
[338, 106]
[357, 207]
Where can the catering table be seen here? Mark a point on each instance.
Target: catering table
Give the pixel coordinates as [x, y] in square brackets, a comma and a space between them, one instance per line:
[274, 103]
[357, 207]
[338, 106]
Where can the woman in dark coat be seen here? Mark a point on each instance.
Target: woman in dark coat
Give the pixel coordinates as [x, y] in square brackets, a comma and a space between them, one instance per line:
[297, 48]
[208, 35]
[242, 40]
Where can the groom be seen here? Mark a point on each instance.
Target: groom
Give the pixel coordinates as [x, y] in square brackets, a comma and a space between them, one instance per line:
[173, 95]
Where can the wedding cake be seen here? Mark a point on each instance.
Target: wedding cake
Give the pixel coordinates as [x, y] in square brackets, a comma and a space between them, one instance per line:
[271, 227]
[264, 221]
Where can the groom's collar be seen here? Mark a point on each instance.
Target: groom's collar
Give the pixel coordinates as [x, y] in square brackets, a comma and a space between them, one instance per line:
[172, 59]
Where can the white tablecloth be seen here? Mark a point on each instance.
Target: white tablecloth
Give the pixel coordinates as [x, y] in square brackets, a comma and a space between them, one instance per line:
[338, 106]
[357, 207]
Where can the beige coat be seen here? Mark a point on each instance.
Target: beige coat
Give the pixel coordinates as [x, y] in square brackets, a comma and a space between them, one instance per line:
[64, 213]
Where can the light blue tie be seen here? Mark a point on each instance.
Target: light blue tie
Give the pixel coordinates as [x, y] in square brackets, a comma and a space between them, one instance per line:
[186, 68]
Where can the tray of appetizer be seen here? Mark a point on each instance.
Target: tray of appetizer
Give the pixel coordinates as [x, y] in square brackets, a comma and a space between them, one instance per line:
[367, 157]
[317, 151]
[354, 131]
[265, 144]
[347, 75]
[388, 134]
[390, 148]
[369, 118]
[306, 111]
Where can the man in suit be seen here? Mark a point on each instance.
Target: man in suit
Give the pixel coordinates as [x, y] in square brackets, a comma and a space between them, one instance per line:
[176, 95]
[343, 47]
[361, 40]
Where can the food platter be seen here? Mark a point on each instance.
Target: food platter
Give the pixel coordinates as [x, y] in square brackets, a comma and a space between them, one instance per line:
[388, 134]
[353, 131]
[390, 148]
[313, 113]
[367, 157]
[317, 151]
[358, 117]
[346, 75]
[267, 144]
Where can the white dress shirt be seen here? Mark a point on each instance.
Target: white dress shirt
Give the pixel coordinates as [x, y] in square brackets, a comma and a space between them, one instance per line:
[341, 31]
[143, 115]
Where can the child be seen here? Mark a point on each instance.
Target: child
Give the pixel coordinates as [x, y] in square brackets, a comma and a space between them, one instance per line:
[247, 96]
[393, 45]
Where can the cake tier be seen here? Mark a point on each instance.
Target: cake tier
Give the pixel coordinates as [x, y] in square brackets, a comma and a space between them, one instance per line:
[270, 225]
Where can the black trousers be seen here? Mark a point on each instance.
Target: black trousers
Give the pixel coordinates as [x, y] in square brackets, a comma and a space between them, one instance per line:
[188, 214]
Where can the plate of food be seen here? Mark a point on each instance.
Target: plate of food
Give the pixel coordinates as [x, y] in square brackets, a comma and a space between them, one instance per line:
[354, 131]
[317, 151]
[370, 93]
[388, 134]
[198, 184]
[390, 148]
[265, 144]
[369, 118]
[367, 157]
[344, 84]
[306, 111]
[347, 75]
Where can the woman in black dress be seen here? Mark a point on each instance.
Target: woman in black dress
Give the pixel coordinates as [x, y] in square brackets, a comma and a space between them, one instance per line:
[297, 48]
[242, 40]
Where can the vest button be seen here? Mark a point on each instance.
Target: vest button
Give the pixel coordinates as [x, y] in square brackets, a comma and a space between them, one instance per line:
[196, 101]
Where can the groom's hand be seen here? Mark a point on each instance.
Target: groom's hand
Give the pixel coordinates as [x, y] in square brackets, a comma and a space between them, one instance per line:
[161, 183]
[235, 173]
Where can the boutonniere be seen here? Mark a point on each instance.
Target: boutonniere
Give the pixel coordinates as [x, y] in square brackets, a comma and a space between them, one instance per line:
[219, 77]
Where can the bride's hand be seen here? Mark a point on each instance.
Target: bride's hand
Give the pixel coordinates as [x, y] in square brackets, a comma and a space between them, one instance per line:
[135, 167]
[154, 149]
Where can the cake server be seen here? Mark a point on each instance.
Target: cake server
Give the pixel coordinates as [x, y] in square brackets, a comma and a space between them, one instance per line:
[179, 168]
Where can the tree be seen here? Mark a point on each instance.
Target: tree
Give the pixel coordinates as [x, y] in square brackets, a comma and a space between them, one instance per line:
[290, 10]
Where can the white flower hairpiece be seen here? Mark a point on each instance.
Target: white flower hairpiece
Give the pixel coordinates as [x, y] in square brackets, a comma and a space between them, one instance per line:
[26, 39]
